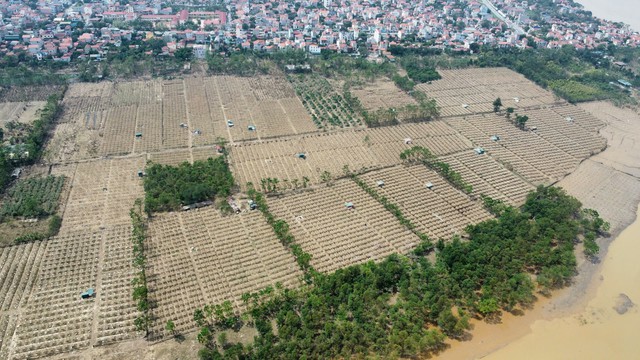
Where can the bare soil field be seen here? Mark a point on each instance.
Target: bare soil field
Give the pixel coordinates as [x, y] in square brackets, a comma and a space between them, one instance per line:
[22, 112]
[29, 93]
[622, 134]
[103, 119]
[382, 93]
[609, 181]
[528, 153]
[102, 192]
[200, 257]
[440, 212]
[478, 88]
[370, 148]
[367, 232]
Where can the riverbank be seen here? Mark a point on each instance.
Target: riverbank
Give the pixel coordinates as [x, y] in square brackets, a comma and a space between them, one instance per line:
[582, 314]
[615, 10]
[607, 327]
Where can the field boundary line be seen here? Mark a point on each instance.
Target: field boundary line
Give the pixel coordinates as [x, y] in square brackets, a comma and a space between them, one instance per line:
[188, 116]
[287, 116]
[191, 259]
[224, 112]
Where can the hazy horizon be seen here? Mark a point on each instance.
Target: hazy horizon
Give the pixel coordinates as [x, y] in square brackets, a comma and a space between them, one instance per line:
[626, 11]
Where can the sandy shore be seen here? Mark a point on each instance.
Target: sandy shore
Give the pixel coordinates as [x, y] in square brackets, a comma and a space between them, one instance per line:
[608, 326]
[580, 322]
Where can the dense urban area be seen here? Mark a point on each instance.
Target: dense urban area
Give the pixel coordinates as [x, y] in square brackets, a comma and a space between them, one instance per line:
[302, 179]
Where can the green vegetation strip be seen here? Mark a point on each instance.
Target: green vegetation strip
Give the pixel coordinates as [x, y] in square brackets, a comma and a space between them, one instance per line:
[281, 229]
[394, 209]
[405, 306]
[168, 187]
[139, 282]
[419, 154]
[26, 147]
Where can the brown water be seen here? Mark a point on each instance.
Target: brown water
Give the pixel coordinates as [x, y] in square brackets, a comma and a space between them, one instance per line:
[598, 331]
[627, 11]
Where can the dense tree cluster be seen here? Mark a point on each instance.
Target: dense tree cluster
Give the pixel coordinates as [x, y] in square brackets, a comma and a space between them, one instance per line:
[405, 305]
[170, 187]
[419, 70]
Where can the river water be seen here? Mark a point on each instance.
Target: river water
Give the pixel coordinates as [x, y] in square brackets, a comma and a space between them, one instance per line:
[627, 11]
[599, 331]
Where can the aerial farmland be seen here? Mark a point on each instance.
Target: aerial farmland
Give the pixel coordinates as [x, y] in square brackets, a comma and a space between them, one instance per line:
[296, 140]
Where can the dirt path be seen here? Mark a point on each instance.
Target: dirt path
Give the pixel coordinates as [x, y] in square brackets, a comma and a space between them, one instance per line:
[224, 113]
[190, 140]
[288, 119]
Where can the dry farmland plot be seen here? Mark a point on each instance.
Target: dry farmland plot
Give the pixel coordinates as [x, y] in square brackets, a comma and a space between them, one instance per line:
[613, 194]
[119, 130]
[136, 92]
[200, 257]
[529, 154]
[102, 192]
[382, 93]
[489, 177]
[478, 88]
[590, 115]
[565, 133]
[173, 158]
[245, 102]
[148, 123]
[22, 112]
[439, 212]
[368, 232]
[174, 113]
[199, 112]
[370, 148]
[55, 319]
[18, 271]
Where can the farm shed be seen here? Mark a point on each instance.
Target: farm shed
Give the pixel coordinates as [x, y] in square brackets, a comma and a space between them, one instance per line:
[479, 150]
[87, 294]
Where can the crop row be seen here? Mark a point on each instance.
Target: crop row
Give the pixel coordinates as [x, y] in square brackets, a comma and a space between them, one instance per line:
[200, 257]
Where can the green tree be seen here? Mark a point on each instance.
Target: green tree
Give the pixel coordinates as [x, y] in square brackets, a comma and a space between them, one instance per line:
[497, 103]
[170, 327]
[184, 54]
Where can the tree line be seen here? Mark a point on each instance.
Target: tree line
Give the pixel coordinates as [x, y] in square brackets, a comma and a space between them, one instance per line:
[140, 292]
[405, 306]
